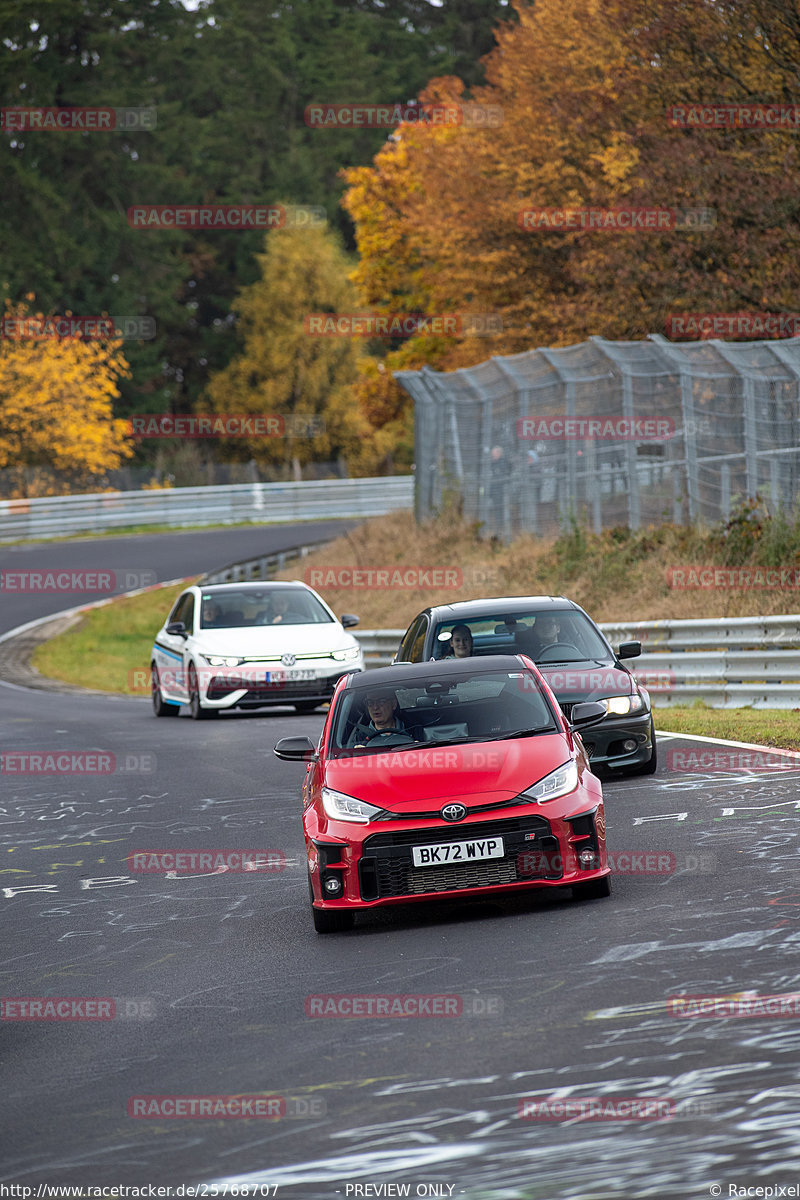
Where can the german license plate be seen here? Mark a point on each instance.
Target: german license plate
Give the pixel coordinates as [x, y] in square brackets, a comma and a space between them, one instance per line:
[457, 852]
[289, 676]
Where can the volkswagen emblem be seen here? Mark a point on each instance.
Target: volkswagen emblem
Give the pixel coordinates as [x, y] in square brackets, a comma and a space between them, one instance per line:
[288, 660]
[453, 812]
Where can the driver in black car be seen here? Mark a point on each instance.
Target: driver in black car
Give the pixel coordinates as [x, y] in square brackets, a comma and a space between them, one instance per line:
[384, 722]
[548, 628]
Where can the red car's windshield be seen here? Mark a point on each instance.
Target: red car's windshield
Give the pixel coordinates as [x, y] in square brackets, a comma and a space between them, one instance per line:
[439, 709]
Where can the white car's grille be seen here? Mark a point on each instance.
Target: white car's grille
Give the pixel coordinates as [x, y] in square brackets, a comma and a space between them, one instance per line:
[277, 657]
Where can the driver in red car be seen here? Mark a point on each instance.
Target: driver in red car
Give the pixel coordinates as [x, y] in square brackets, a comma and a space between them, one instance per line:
[384, 722]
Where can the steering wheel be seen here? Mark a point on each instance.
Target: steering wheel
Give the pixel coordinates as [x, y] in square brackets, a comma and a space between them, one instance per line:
[558, 647]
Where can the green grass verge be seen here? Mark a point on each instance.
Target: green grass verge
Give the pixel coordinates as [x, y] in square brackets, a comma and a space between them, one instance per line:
[761, 726]
[110, 649]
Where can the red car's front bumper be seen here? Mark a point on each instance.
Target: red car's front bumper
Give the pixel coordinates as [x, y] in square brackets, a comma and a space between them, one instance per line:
[374, 863]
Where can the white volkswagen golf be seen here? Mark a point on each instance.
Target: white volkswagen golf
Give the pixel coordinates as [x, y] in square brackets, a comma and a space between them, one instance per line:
[250, 645]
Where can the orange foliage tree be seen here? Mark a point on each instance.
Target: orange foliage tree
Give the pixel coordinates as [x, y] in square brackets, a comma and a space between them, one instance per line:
[584, 88]
[56, 401]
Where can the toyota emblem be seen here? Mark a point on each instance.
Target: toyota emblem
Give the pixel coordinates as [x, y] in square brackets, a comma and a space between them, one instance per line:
[453, 812]
[288, 660]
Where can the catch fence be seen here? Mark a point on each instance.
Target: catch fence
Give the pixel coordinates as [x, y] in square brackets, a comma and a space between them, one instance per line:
[682, 432]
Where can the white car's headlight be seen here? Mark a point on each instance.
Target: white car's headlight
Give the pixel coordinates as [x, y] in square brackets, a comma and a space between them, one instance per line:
[346, 655]
[623, 704]
[560, 782]
[216, 660]
[340, 807]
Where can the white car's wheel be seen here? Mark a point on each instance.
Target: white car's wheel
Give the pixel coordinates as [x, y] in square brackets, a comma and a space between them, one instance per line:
[160, 706]
[196, 709]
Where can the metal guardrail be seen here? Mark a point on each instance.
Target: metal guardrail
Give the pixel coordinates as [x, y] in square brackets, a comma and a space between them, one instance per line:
[261, 503]
[748, 661]
[265, 567]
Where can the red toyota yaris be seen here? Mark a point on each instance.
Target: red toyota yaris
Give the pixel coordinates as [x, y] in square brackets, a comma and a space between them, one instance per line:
[448, 779]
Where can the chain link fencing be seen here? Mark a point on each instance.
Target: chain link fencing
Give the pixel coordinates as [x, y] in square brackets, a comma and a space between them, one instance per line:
[609, 433]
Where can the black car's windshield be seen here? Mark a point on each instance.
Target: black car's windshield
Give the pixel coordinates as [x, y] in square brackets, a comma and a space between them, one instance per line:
[545, 635]
[439, 709]
[233, 608]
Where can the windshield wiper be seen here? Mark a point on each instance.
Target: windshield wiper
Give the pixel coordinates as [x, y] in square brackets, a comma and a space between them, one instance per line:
[502, 737]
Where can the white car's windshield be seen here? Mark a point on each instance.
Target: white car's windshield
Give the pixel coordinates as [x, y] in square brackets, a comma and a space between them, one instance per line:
[234, 609]
[546, 635]
[439, 709]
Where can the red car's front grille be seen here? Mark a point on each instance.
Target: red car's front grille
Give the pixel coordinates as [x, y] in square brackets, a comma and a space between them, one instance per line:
[387, 869]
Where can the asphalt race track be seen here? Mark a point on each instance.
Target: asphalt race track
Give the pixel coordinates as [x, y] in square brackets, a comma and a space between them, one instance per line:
[212, 974]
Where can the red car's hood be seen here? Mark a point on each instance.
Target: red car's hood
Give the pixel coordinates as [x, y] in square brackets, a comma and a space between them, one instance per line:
[586, 681]
[476, 773]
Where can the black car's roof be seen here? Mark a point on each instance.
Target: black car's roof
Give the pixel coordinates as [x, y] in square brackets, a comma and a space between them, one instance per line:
[492, 605]
[410, 673]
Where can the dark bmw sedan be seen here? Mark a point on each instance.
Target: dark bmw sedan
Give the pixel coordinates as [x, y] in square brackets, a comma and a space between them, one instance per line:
[568, 648]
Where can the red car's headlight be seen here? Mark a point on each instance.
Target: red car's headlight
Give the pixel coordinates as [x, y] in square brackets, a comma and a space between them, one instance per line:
[340, 807]
[560, 782]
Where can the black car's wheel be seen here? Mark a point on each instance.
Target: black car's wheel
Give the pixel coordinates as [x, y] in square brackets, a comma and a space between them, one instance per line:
[306, 706]
[651, 766]
[160, 706]
[595, 889]
[198, 713]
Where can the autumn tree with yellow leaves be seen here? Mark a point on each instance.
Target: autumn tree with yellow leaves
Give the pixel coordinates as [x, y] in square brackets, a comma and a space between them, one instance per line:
[283, 369]
[56, 401]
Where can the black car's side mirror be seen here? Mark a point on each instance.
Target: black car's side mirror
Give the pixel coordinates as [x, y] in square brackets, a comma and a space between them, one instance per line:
[629, 650]
[348, 620]
[177, 628]
[589, 712]
[296, 749]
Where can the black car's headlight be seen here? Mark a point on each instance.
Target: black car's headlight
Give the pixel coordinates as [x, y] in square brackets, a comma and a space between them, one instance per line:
[560, 782]
[619, 706]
